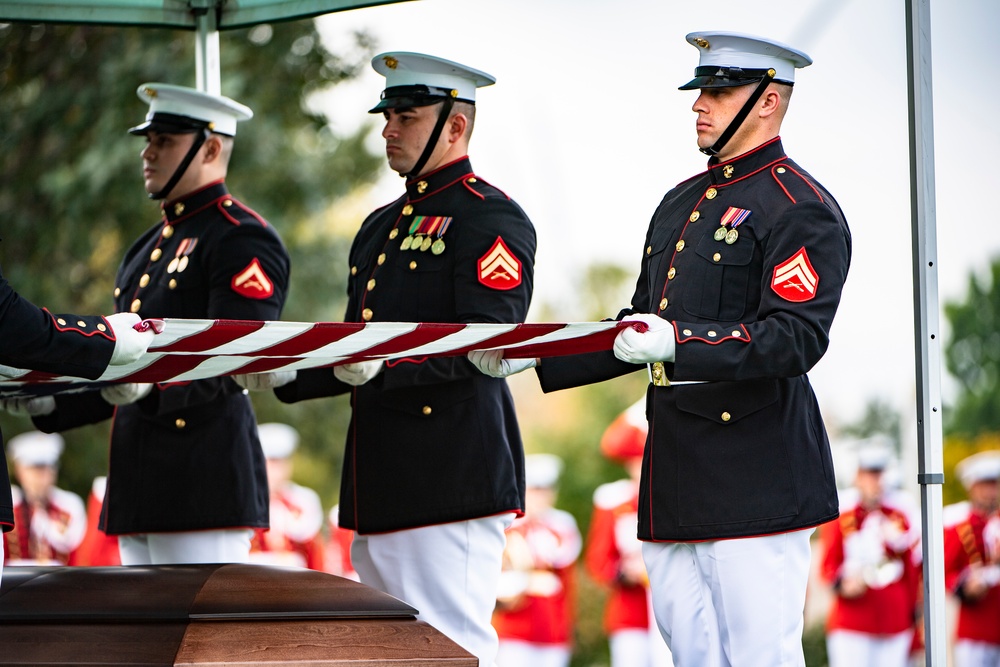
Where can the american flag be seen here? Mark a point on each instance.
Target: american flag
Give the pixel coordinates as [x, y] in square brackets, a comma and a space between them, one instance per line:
[186, 350]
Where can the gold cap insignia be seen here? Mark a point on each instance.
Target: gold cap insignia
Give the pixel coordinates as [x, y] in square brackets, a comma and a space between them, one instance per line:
[701, 42]
[390, 62]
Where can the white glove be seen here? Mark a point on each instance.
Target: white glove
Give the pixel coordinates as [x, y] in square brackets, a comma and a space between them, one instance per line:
[359, 373]
[265, 381]
[492, 363]
[129, 343]
[656, 344]
[125, 393]
[29, 406]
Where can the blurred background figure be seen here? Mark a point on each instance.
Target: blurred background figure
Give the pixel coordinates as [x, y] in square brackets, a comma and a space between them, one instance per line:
[338, 548]
[867, 558]
[295, 536]
[614, 554]
[98, 548]
[537, 592]
[972, 562]
[49, 522]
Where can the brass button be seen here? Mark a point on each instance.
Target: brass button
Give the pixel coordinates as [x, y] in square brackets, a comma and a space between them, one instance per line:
[118, 291]
[680, 245]
[144, 280]
[227, 203]
[694, 216]
[61, 322]
[371, 284]
[737, 333]
[178, 209]
[172, 284]
[381, 259]
[407, 210]
[710, 193]
[712, 334]
[716, 257]
[101, 327]
[471, 179]
[81, 324]
[167, 232]
[726, 416]
[354, 270]
[180, 423]
[135, 306]
[780, 170]
[393, 234]
[155, 255]
[422, 187]
[663, 303]
[366, 314]
[687, 332]
[426, 409]
[649, 250]
[413, 265]
[671, 273]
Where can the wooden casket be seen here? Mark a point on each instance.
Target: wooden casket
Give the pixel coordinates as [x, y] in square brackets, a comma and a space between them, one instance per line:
[201, 615]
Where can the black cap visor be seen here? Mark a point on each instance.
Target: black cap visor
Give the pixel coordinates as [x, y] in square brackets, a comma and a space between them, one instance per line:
[713, 76]
[405, 97]
[168, 123]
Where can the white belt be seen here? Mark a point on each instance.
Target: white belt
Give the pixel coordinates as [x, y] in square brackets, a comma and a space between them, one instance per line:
[658, 376]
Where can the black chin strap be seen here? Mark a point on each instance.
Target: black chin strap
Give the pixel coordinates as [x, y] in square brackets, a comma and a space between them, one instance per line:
[199, 139]
[724, 138]
[446, 106]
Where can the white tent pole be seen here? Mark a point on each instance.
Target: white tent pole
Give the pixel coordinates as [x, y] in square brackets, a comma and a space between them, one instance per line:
[208, 68]
[926, 317]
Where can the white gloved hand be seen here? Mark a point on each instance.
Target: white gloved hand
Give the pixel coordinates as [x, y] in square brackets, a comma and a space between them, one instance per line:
[658, 343]
[265, 381]
[129, 343]
[29, 406]
[492, 363]
[125, 393]
[359, 373]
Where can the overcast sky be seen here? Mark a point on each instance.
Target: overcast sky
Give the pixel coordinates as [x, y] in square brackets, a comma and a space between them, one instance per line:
[586, 129]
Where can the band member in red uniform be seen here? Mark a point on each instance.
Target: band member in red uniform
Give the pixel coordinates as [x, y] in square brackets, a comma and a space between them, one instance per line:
[869, 562]
[613, 553]
[50, 522]
[972, 562]
[295, 536]
[537, 594]
[98, 548]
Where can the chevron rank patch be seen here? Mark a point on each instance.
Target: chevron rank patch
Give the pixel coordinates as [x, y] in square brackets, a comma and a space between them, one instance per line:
[795, 279]
[252, 282]
[499, 268]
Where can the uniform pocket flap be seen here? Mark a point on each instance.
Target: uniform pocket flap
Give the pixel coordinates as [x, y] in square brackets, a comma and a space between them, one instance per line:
[726, 402]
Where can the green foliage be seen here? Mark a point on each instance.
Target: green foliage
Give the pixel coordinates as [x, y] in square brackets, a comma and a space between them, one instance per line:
[973, 356]
[71, 195]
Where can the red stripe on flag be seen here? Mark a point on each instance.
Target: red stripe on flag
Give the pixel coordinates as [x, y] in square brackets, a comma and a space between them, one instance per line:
[224, 331]
[166, 368]
[423, 334]
[314, 338]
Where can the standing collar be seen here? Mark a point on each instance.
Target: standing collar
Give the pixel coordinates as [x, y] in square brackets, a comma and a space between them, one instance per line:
[193, 201]
[440, 178]
[743, 165]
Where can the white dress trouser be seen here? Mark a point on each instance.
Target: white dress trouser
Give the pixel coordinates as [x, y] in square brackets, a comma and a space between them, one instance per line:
[449, 572]
[969, 653]
[519, 653]
[735, 602]
[202, 546]
[849, 648]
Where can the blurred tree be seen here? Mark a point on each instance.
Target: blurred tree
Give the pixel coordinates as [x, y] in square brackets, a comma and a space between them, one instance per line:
[973, 356]
[880, 418]
[71, 197]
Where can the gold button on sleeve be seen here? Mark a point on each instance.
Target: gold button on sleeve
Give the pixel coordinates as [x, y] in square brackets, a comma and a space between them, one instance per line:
[101, 327]
[118, 291]
[687, 332]
[712, 334]
[227, 203]
[367, 314]
[81, 324]
[180, 423]
[354, 270]
[780, 170]
[413, 265]
[426, 410]
[726, 416]
[61, 322]
[737, 333]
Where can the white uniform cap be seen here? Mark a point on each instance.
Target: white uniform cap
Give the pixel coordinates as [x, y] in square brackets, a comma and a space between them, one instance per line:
[979, 467]
[278, 440]
[541, 471]
[873, 455]
[36, 448]
[736, 59]
[178, 109]
[416, 79]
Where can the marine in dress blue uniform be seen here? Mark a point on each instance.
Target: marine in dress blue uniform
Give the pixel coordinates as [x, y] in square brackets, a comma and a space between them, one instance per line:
[741, 274]
[433, 450]
[185, 457]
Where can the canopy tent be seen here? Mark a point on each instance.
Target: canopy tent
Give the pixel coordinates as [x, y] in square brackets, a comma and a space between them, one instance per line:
[207, 17]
